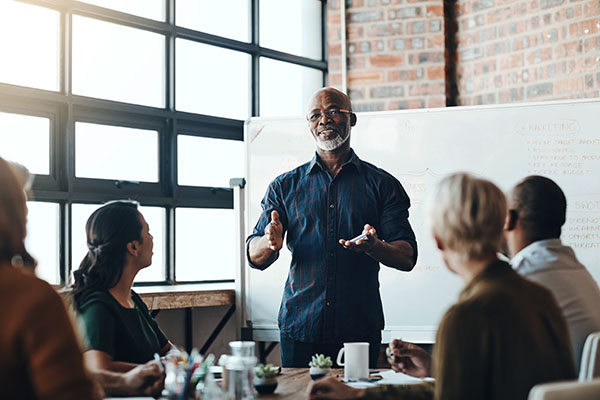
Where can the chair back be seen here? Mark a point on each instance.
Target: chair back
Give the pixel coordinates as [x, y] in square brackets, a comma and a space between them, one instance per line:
[568, 390]
[590, 358]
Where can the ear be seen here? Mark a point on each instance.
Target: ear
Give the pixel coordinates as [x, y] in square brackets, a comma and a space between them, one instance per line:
[352, 119]
[132, 248]
[438, 242]
[512, 216]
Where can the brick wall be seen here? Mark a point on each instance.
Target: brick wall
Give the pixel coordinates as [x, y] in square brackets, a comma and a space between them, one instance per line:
[395, 53]
[507, 51]
[527, 50]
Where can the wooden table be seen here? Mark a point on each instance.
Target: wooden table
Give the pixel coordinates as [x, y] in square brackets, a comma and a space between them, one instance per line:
[186, 297]
[293, 383]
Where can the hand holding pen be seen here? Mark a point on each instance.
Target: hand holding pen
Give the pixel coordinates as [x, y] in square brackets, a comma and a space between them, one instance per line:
[364, 242]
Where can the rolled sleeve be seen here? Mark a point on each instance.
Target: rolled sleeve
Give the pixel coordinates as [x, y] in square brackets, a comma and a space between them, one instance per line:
[394, 218]
[271, 202]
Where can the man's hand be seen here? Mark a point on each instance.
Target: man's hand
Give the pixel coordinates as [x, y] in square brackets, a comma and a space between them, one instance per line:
[365, 244]
[332, 388]
[146, 379]
[274, 232]
[409, 359]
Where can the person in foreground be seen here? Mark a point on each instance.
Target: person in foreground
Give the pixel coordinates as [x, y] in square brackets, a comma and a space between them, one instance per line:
[537, 211]
[331, 295]
[39, 355]
[120, 331]
[503, 336]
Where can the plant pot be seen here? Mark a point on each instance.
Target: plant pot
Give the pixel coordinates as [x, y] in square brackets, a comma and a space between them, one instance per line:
[265, 385]
[318, 373]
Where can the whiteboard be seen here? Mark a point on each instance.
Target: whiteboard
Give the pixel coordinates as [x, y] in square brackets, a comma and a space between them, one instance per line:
[560, 140]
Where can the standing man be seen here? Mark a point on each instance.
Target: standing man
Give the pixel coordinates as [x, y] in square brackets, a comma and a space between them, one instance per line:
[331, 295]
[537, 211]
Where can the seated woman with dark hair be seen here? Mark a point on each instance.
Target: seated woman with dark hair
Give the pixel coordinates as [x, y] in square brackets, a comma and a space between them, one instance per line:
[120, 331]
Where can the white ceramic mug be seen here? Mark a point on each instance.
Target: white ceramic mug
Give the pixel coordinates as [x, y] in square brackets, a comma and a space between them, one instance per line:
[356, 363]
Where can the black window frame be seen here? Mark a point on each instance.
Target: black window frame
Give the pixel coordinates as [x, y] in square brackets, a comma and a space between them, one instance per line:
[64, 109]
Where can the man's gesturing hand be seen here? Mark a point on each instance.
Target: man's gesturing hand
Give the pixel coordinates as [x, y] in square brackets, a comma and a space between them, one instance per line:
[274, 232]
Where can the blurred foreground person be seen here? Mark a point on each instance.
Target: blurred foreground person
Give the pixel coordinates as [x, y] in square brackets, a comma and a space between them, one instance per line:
[39, 355]
[503, 336]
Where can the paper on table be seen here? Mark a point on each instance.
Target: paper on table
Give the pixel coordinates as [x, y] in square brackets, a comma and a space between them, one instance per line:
[397, 378]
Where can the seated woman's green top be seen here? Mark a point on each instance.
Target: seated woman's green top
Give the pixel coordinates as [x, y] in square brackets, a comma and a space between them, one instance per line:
[127, 334]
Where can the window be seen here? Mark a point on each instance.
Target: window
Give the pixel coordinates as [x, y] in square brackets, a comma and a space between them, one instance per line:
[29, 38]
[146, 100]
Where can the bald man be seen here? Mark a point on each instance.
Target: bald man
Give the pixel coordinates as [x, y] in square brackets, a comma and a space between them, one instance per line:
[331, 295]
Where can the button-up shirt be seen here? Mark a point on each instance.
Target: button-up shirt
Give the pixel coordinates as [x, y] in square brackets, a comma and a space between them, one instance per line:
[555, 266]
[332, 293]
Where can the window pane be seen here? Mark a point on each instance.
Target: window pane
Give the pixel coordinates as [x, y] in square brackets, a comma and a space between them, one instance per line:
[118, 63]
[29, 44]
[300, 84]
[228, 18]
[26, 140]
[292, 26]
[205, 244]
[211, 80]
[42, 239]
[112, 152]
[155, 216]
[152, 9]
[208, 162]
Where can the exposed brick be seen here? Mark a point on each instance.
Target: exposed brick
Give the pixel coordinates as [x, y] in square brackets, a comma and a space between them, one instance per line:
[544, 4]
[435, 42]
[363, 107]
[354, 32]
[512, 61]
[435, 25]
[392, 29]
[435, 73]
[357, 62]
[427, 88]
[366, 16]
[405, 12]
[436, 102]
[387, 91]
[426, 57]
[569, 85]
[356, 94]
[334, 79]
[482, 5]
[435, 11]
[365, 77]
[471, 54]
[335, 49]
[418, 27]
[584, 28]
[333, 18]
[406, 104]
[399, 44]
[386, 60]
[540, 89]
[417, 43]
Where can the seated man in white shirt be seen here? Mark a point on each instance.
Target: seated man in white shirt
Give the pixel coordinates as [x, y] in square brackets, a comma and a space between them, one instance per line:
[537, 210]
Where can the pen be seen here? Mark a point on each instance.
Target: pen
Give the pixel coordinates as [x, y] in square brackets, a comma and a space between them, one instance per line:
[160, 366]
[359, 237]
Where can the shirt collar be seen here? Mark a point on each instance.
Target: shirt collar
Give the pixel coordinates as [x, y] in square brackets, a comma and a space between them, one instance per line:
[353, 160]
[526, 253]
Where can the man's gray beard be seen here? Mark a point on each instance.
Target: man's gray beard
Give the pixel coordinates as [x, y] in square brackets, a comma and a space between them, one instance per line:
[331, 144]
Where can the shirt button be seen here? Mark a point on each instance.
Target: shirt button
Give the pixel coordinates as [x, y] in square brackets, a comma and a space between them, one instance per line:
[330, 229]
[328, 303]
[331, 206]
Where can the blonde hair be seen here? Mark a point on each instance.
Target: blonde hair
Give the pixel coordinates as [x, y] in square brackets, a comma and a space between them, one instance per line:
[467, 215]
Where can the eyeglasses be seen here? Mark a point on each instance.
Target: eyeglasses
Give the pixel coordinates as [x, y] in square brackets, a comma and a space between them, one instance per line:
[330, 114]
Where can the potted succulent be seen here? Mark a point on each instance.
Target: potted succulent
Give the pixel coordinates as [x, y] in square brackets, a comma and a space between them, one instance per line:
[264, 378]
[320, 366]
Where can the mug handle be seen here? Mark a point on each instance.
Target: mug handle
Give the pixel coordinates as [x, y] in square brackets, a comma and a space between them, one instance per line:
[339, 357]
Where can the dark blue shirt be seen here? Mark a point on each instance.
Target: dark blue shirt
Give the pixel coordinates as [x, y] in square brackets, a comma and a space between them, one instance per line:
[331, 293]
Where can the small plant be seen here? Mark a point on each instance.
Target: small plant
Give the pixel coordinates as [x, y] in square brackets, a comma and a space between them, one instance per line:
[320, 361]
[266, 371]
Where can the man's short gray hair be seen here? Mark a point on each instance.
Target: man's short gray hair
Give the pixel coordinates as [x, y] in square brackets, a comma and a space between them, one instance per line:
[467, 215]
